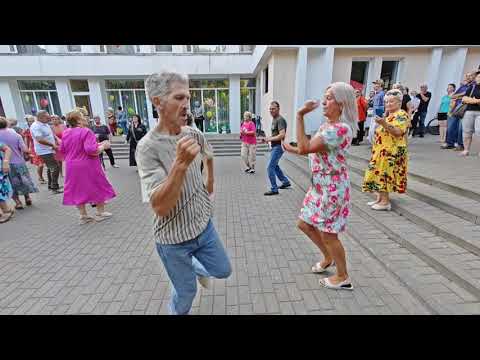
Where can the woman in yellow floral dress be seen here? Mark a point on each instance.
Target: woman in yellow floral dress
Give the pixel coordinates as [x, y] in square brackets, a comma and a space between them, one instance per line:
[387, 170]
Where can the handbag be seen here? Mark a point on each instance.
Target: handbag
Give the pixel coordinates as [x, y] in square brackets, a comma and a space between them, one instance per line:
[459, 111]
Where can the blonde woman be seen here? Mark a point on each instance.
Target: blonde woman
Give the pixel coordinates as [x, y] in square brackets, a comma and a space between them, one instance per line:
[249, 142]
[387, 170]
[326, 206]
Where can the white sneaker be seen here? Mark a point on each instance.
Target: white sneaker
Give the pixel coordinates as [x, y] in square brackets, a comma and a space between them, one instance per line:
[379, 207]
[115, 166]
[85, 219]
[371, 203]
[102, 216]
[205, 281]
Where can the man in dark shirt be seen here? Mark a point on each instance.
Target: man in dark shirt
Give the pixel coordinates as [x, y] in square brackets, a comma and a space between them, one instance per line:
[279, 129]
[103, 133]
[422, 110]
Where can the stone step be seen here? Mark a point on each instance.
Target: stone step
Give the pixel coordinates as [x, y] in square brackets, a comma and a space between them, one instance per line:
[440, 265]
[467, 193]
[465, 208]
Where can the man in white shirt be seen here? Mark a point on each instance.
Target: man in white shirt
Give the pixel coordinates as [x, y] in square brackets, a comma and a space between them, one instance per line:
[45, 147]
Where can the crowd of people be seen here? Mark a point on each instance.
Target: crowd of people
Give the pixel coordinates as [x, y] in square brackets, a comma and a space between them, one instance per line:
[58, 144]
[175, 165]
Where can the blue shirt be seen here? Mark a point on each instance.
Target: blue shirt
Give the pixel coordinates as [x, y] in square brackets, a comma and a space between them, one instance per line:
[122, 117]
[445, 104]
[378, 99]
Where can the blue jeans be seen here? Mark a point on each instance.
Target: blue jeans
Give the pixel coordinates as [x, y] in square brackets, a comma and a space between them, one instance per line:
[454, 131]
[274, 170]
[123, 125]
[202, 256]
[421, 120]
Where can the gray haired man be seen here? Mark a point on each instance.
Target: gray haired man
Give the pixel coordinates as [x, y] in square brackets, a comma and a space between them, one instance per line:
[168, 160]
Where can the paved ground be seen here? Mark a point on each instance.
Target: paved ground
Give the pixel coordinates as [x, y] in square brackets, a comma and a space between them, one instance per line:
[51, 265]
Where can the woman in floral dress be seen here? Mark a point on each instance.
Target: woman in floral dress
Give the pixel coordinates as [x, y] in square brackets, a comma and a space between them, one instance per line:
[326, 206]
[387, 170]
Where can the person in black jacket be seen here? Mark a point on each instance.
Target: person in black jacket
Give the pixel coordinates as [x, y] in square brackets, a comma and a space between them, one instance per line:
[136, 131]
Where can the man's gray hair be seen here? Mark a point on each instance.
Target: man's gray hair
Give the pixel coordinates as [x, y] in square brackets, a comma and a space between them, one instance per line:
[41, 112]
[160, 84]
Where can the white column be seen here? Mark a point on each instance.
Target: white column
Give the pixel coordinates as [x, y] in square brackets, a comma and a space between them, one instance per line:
[64, 95]
[152, 122]
[233, 49]
[374, 72]
[300, 89]
[17, 102]
[234, 104]
[96, 98]
[432, 80]
[456, 71]
[7, 100]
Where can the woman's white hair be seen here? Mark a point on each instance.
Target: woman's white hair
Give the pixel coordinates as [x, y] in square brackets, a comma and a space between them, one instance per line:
[345, 96]
[396, 93]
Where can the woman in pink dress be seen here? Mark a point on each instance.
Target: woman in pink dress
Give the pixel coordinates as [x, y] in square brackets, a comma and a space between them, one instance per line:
[85, 180]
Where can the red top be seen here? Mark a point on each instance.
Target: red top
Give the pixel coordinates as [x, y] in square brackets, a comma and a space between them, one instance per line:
[362, 105]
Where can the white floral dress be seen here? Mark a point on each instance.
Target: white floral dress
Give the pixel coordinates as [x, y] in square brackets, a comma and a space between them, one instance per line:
[327, 203]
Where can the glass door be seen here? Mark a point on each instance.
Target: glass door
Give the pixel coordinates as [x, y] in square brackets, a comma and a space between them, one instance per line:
[223, 111]
[83, 101]
[210, 110]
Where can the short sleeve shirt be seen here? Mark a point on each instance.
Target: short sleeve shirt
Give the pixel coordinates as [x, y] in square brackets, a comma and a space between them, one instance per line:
[423, 106]
[102, 131]
[155, 156]
[278, 124]
[43, 131]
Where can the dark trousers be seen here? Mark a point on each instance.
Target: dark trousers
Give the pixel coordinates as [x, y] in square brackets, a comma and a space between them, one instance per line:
[199, 123]
[110, 156]
[418, 123]
[360, 133]
[53, 170]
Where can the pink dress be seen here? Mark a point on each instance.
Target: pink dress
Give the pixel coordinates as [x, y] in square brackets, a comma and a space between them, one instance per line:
[85, 180]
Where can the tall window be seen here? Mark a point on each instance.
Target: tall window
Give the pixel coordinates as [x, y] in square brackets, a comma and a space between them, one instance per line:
[265, 80]
[130, 95]
[247, 96]
[359, 75]
[247, 48]
[39, 95]
[163, 48]
[120, 49]
[389, 73]
[212, 96]
[81, 94]
[74, 48]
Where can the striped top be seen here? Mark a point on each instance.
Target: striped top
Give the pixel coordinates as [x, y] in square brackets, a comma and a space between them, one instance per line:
[155, 156]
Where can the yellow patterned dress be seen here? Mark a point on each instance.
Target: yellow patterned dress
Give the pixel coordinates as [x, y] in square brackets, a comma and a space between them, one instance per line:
[387, 170]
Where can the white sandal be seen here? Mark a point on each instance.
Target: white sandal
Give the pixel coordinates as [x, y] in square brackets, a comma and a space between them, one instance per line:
[318, 269]
[344, 285]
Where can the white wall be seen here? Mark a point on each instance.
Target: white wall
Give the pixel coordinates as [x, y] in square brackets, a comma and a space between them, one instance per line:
[473, 60]
[122, 65]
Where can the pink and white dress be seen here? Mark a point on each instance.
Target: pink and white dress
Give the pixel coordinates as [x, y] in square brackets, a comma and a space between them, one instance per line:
[327, 203]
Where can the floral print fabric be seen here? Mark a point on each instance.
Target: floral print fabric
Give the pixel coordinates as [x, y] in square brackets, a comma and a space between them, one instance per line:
[387, 170]
[327, 203]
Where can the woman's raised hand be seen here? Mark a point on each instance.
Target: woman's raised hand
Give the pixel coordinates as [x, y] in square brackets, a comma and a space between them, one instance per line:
[309, 106]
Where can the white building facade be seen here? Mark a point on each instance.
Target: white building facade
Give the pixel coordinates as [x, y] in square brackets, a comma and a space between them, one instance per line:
[226, 79]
